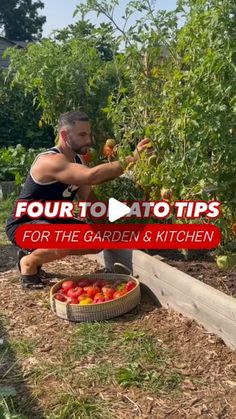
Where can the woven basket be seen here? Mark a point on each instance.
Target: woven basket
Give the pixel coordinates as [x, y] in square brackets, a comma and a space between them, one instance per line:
[96, 312]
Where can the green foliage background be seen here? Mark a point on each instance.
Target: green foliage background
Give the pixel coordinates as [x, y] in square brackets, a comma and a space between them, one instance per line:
[20, 19]
[19, 118]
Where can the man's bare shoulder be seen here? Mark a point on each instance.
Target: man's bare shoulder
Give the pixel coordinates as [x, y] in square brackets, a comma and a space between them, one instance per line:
[52, 160]
[47, 165]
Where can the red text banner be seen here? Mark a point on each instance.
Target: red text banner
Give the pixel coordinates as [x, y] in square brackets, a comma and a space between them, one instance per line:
[118, 236]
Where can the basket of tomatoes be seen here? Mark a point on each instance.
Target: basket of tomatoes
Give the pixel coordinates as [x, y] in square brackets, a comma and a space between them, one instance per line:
[94, 297]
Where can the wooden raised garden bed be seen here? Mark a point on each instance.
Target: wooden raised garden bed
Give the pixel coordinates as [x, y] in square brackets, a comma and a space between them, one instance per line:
[181, 292]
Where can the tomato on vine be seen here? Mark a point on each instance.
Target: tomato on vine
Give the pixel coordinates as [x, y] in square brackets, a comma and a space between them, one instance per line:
[91, 155]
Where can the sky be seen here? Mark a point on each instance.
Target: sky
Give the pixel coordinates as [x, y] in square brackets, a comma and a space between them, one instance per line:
[59, 13]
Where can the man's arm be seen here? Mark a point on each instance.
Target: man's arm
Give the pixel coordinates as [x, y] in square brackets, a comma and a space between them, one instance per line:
[49, 168]
[57, 167]
[75, 174]
[86, 193]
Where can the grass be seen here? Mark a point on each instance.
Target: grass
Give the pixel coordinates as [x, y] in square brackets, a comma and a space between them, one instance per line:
[70, 406]
[3, 322]
[140, 345]
[100, 354]
[8, 411]
[151, 380]
[91, 339]
[99, 374]
[4, 349]
[11, 379]
[146, 364]
[23, 347]
[6, 207]
[47, 369]
[128, 359]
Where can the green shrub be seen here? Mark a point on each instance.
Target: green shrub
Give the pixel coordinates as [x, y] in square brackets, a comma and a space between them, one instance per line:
[15, 162]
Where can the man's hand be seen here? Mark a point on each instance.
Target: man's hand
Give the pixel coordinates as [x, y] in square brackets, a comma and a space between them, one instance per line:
[141, 146]
[132, 159]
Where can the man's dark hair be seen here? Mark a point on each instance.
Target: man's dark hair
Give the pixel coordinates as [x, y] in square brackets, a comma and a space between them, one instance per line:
[70, 118]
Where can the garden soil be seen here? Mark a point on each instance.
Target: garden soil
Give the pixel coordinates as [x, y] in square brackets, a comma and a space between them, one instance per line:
[206, 365]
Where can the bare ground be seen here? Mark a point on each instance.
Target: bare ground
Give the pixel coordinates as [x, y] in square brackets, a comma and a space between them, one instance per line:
[207, 368]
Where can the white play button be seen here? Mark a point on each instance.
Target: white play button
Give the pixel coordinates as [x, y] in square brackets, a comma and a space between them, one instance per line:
[116, 210]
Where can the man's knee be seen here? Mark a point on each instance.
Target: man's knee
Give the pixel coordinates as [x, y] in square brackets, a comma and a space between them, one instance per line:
[94, 251]
[61, 253]
[78, 252]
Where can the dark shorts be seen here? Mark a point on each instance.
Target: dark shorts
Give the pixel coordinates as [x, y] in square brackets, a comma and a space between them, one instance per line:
[11, 229]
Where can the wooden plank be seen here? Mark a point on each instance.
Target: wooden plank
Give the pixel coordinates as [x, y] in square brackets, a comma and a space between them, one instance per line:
[158, 257]
[174, 289]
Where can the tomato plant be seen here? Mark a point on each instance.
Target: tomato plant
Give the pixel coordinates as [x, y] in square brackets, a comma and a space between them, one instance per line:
[175, 85]
[179, 90]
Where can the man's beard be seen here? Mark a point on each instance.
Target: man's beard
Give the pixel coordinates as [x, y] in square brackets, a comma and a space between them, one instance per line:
[76, 148]
[80, 150]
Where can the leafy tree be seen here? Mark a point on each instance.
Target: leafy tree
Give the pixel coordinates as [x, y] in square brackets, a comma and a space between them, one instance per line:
[63, 76]
[102, 37]
[20, 120]
[20, 19]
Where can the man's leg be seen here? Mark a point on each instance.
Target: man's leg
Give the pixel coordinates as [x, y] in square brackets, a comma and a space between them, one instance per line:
[29, 264]
[119, 257]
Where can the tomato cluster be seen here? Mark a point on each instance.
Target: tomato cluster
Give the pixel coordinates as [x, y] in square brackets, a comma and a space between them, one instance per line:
[92, 291]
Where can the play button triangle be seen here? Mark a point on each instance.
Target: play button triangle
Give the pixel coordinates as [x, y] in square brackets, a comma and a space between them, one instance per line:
[116, 210]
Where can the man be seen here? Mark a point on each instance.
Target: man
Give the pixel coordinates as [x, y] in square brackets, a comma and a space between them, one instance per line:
[58, 174]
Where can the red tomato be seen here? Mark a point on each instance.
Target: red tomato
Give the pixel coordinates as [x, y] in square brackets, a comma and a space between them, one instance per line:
[234, 229]
[107, 151]
[61, 291]
[73, 300]
[108, 292]
[74, 292]
[130, 285]
[60, 297]
[100, 283]
[66, 285]
[99, 298]
[90, 155]
[118, 294]
[84, 282]
[166, 193]
[92, 291]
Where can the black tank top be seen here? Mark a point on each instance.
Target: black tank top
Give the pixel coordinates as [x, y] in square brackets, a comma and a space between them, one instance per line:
[50, 191]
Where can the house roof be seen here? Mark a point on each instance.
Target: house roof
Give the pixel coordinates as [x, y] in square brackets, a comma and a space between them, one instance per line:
[19, 44]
